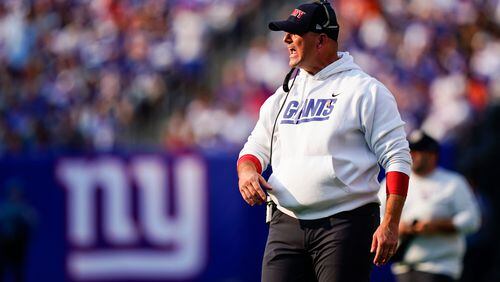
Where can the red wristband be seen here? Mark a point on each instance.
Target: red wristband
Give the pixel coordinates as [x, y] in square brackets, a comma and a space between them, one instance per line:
[253, 159]
[396, 183]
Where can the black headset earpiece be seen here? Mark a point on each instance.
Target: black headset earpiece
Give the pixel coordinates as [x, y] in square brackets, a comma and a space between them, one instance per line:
[328, 11]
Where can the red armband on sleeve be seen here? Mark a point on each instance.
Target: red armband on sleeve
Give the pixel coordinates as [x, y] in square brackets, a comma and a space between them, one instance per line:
[396, 183]
[253, 159]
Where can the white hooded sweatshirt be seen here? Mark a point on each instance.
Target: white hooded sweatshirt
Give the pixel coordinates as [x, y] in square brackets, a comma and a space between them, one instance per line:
[334, 129]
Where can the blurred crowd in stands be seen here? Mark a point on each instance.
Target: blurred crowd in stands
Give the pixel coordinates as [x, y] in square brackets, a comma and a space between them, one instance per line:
[101, 74]
[170, 74]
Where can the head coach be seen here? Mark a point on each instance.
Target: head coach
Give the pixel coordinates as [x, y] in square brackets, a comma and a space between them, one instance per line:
[324, 133]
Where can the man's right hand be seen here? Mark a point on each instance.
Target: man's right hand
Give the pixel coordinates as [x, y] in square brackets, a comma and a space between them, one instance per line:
[250, 183]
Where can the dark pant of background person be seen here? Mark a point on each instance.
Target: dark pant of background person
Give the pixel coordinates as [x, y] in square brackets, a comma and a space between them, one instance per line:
[333, 249]
[419, 276]
[12, 258]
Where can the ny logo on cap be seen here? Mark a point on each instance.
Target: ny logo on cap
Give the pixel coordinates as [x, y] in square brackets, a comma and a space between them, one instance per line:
[298, 13]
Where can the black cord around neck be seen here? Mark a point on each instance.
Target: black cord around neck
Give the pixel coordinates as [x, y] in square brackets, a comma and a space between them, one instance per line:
[287, 90]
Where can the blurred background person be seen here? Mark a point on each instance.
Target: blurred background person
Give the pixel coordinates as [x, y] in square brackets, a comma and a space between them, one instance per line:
[17, 221]
[440, 210]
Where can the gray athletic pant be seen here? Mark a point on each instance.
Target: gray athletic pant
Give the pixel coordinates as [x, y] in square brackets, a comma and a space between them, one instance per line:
[333, 249]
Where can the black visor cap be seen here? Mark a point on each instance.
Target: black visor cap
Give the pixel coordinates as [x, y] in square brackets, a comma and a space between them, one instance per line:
[309, 17]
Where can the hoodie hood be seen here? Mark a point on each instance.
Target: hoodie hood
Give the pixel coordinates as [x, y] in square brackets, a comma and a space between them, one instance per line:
[344, 63]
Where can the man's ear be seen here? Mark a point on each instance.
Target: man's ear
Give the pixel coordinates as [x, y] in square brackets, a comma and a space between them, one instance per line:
[321, 40]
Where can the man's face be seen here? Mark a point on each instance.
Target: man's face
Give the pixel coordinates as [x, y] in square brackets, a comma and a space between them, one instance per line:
[301, 48]
[423, 162]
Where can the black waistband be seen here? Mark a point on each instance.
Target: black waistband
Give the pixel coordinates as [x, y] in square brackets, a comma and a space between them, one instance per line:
[370, 209]
[367, 209]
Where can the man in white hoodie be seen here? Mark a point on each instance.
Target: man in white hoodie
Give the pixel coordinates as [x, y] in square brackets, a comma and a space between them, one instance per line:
[325, 134]
[441, 210]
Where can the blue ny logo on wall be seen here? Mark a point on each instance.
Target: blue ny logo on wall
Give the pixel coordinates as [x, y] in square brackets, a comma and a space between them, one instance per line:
[312, 110]
[175, 248]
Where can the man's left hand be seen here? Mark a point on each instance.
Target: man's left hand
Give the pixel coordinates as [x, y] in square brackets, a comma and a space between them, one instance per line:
[384, 243]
